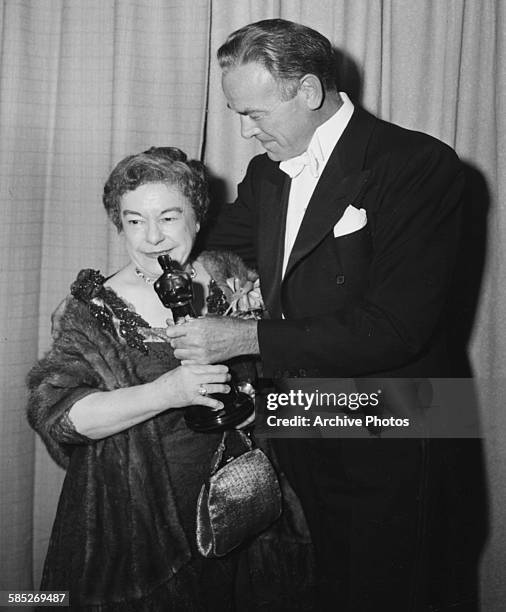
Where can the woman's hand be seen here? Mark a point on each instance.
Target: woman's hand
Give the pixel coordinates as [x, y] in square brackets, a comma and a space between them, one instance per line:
[106, 413]
[192, 384]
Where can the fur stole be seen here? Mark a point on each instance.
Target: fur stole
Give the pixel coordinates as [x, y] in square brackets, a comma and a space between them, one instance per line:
[96, 348]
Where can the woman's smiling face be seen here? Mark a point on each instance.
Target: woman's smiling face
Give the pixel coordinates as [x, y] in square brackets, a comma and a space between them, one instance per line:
[157, 219]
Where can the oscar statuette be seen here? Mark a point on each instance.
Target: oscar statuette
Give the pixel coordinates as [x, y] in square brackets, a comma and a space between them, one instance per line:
[174, 288]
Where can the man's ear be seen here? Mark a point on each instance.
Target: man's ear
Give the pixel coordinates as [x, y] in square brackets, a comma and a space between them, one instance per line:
[311, 89]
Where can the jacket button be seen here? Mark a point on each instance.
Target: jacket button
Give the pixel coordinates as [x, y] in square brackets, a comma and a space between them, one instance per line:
[340, 279]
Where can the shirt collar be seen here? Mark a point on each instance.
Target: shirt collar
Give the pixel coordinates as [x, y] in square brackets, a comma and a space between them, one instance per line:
[327, 135]
[322, 143]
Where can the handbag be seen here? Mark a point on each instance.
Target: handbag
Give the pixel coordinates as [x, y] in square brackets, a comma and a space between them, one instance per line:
[241, 498]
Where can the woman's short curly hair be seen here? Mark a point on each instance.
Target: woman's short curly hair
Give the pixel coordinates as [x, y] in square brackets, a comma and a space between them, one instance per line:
[167, 165]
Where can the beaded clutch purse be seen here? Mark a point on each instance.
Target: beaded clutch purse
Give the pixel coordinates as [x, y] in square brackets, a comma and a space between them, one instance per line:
[241, 499]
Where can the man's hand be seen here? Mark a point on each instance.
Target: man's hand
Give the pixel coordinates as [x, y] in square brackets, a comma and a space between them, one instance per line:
[213, 339]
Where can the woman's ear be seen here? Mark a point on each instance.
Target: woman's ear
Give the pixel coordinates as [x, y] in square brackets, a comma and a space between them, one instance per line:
[311, 89]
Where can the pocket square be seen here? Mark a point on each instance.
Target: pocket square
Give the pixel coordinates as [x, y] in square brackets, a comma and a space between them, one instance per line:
[352, 220]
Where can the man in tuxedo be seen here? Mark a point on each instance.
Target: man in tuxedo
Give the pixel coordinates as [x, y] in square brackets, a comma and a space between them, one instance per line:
[353, 225]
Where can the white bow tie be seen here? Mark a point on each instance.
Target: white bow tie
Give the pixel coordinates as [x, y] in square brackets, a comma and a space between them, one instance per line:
[294, 166]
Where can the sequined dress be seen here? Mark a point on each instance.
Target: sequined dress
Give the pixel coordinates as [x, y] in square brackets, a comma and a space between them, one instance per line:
[124, 533]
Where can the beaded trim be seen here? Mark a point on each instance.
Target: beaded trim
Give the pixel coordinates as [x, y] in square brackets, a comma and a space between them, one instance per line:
[109, 310]
[114, 316]
[216, 301]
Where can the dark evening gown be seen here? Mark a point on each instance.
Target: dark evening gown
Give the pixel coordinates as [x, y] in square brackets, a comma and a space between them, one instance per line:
[124, 533]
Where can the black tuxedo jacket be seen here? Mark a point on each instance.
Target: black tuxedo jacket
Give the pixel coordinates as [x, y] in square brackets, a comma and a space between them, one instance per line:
[371, 302]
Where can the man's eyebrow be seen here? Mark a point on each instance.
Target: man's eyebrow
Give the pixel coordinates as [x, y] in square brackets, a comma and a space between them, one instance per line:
[247, 111]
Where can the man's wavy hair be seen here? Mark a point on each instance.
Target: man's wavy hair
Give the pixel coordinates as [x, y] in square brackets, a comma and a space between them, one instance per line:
[286, 49]
[167, 165]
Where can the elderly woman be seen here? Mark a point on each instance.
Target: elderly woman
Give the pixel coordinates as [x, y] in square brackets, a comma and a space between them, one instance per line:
[108, 400]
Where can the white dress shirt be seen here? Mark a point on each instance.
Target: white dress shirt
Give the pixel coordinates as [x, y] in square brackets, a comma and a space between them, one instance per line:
[306, 169]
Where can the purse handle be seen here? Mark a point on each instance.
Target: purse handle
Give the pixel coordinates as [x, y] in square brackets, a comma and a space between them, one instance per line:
[220, 451]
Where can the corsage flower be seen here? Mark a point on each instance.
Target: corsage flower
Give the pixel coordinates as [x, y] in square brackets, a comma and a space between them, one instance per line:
[236, 298]
[245, 300]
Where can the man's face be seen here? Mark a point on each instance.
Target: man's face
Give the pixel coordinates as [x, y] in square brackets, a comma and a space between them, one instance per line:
[283, 127]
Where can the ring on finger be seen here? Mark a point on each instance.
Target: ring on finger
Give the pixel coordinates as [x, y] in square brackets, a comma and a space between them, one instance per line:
[202, 390]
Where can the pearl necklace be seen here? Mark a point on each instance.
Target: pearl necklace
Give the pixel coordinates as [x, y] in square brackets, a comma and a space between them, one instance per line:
[151, 281]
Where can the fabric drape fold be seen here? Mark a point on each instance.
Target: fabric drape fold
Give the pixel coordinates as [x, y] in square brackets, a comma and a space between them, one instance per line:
[83, 85]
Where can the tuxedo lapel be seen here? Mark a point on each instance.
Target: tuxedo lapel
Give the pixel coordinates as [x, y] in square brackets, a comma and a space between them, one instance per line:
[340, 185]
[271, 239]
[325, 209]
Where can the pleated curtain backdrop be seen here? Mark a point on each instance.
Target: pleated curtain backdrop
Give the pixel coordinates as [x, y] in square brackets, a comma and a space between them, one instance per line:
[85, 82]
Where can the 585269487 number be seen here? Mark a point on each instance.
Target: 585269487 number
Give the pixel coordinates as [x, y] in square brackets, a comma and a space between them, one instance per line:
[30, 598]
